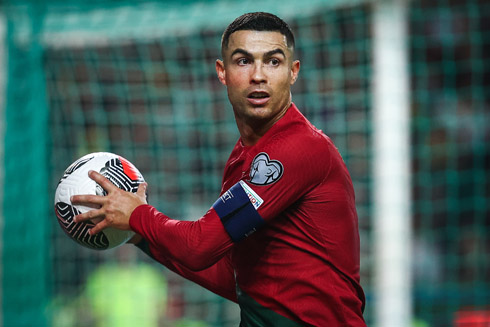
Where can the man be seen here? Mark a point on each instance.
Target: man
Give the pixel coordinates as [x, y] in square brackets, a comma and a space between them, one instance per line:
[282, 240]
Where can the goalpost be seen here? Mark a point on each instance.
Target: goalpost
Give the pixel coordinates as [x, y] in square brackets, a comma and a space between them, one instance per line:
[391, 162]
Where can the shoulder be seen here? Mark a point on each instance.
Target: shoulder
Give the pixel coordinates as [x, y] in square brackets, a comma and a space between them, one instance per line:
[296, 147]
[298, 137]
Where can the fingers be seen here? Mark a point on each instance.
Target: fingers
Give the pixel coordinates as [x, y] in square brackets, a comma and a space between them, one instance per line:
[112, 210]
[93, 214]
[102, 181]
[99, 227]
[97, 213]
[88, 200]
[93, 201]
[142, 190]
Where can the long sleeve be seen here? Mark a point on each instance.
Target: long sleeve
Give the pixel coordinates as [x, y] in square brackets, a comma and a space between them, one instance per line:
[197, 250]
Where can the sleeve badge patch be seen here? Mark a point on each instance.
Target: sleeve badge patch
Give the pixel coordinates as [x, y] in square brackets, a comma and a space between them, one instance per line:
[265, 171]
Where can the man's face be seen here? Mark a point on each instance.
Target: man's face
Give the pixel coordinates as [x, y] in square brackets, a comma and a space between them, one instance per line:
[258, 70]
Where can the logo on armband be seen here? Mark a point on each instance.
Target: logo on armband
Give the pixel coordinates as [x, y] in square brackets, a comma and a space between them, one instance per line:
[226, 196]
[254, 198]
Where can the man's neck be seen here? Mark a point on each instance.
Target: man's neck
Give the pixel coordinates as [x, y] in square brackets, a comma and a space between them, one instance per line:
[252, 131]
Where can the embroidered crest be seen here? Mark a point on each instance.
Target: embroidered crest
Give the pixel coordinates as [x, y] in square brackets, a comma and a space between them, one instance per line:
[265, 171]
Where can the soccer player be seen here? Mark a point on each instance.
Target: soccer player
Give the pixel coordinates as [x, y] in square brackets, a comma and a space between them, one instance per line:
[282, 240]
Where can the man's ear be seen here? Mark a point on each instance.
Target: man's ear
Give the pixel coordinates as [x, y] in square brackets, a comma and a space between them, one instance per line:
[295, 71]
[220, 70]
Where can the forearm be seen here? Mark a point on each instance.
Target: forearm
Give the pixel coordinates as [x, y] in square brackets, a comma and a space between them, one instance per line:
[194, 250]
[196, 245]
[219, 278]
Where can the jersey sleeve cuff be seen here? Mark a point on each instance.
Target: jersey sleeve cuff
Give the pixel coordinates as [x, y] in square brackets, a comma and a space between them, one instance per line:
[139, 217]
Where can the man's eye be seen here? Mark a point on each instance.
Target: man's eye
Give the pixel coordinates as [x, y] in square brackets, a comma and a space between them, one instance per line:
[243, 61]
[274, 62]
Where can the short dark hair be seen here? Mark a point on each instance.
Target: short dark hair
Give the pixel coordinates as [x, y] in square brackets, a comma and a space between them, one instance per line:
[258, 21]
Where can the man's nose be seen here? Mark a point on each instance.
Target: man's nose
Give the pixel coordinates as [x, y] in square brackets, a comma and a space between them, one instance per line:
[258, 74]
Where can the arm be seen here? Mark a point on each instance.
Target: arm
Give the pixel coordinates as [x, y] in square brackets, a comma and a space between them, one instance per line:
[219, 278]
[196, 245]
[195, 250]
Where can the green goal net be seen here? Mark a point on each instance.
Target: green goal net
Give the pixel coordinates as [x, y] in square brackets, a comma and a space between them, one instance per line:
[450, 51]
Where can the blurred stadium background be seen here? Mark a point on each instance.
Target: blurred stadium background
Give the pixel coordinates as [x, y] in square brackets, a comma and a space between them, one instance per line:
[137, 78]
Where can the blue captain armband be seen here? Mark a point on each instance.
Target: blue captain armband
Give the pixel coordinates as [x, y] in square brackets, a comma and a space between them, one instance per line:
[237, 209]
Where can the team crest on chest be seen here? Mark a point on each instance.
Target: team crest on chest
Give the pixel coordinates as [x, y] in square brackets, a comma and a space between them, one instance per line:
[265, 171]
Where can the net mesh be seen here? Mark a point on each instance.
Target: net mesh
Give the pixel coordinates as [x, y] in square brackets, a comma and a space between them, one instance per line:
[450, 48]
[154, 98]
[159, 104]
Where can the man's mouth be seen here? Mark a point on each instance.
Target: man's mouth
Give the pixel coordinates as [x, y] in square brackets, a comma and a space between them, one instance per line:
[258, 97]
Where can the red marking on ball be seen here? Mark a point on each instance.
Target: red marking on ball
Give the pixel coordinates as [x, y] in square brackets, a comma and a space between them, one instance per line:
[129, 169]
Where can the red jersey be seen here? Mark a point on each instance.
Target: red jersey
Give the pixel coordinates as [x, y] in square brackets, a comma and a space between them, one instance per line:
[301, 266]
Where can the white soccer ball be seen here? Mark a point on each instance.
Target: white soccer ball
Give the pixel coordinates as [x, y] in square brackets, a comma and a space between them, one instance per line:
[75, 180]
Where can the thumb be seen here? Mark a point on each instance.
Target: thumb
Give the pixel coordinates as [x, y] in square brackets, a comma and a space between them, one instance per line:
[142, 190]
